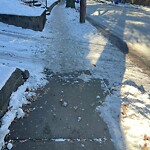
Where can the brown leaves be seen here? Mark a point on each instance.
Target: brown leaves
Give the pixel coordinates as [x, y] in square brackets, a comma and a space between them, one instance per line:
[146, 137]
[126, 104]
[145, 147]
[124, 109]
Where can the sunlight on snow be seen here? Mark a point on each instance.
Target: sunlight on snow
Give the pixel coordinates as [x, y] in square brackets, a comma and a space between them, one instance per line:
[135, 124]
[95, 50]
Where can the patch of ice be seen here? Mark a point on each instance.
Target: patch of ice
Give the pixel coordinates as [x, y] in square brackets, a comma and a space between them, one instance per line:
[61, 140]
[85, 77]
[98, 97]
[9, 146]
[20, 113]
[79, 119]
[65, 104]
[75, 107]
[98, 140]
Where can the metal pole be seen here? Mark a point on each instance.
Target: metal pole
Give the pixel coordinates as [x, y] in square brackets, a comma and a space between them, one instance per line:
[82, 11]
[46, 3]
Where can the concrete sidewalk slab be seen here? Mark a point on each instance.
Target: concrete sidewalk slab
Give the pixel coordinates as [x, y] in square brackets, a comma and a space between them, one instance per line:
[64, 116]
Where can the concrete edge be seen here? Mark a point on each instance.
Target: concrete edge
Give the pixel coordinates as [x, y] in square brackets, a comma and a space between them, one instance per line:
[52, 6]
[17, 78]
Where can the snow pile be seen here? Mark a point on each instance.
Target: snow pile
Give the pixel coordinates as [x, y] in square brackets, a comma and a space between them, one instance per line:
[17, 100]
[126, 113]
[136, 122]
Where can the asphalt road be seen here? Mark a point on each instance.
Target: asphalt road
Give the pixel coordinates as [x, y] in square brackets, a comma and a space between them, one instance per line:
[130, 24]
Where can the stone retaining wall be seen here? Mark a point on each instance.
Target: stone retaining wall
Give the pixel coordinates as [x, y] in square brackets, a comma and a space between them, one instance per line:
[28, 22]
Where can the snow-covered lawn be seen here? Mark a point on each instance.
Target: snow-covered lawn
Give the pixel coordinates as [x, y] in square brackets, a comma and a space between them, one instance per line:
[126, 109]
[16, 7]
[18, 49]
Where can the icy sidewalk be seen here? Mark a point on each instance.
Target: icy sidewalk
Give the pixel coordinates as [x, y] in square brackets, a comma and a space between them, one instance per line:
[80, 47]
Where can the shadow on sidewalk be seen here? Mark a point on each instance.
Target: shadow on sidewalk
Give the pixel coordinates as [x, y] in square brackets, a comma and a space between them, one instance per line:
[113, 110]
[113, 62]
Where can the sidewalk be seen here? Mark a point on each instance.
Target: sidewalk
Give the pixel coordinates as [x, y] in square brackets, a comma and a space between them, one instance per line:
[63, 115]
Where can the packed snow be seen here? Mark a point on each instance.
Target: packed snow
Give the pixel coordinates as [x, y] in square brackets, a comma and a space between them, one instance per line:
[126, 109]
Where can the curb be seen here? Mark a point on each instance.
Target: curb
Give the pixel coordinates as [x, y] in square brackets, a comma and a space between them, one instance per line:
[52, 6]
[17, 78]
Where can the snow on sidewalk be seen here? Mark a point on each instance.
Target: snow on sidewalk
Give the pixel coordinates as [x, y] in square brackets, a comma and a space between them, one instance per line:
[125, 110]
